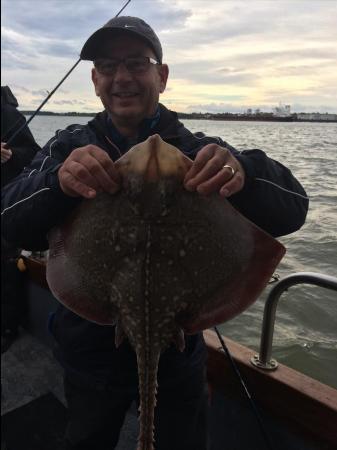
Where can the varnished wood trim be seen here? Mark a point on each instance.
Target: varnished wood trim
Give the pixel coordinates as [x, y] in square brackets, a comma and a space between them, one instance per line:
[289, 394]
[36, 270]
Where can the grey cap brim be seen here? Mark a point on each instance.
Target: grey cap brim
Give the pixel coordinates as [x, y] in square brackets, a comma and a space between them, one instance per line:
[91, 48]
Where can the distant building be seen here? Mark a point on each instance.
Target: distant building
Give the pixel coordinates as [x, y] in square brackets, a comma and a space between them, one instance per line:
[282, 110]
[326, 117]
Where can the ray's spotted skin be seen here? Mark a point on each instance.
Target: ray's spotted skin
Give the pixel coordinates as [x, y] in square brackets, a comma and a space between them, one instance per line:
[158, 261]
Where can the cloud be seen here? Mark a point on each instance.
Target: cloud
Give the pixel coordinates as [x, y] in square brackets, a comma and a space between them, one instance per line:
[294, 54]
[215, 108]
[65, 102]
[211, 72]
[76, 20]
[56, 19]
[233, 53]
[14, 62]
[225, 23]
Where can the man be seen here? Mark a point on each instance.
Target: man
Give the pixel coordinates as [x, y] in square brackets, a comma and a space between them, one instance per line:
[101, 381]
[22, 150]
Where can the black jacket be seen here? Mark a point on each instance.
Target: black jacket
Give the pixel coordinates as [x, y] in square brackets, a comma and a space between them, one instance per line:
[272, 198]
[23, 145]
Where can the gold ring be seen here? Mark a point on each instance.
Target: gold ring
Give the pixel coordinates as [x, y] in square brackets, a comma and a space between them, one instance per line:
[226, 166]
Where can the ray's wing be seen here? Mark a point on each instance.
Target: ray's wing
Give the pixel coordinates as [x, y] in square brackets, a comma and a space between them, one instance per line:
[85, 252]
[241, 260]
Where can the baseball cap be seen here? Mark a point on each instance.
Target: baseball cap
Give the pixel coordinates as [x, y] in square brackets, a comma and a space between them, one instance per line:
[133, 26]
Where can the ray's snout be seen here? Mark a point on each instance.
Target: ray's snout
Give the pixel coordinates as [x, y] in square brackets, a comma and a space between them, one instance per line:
[153, 160]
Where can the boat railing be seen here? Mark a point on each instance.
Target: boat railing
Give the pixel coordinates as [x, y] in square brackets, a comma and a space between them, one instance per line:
[263, 360]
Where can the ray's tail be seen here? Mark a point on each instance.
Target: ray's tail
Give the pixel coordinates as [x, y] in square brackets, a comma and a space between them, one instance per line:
[148, 360]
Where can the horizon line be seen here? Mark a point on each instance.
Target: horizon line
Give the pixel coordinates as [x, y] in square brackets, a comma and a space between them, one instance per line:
[29, 111]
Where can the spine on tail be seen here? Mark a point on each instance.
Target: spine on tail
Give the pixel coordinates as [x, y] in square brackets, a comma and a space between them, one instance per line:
[147, 373]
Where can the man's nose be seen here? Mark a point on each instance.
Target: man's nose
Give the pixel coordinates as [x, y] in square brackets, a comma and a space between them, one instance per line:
[122, 72]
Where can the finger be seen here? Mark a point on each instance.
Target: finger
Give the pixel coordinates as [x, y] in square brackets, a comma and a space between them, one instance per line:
[210, 169]
[73, 187]
[6, 151]
[109, 166]
[200, 161]
[215, 183]
[233, 185]
[4, 146]
[97, 167]
[5, 157]
[82, 174]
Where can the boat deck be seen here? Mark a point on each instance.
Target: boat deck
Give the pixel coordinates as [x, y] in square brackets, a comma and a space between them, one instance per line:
[30, 372]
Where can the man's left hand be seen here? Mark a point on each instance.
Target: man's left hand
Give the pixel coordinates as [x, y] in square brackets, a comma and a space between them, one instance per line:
[209, 173]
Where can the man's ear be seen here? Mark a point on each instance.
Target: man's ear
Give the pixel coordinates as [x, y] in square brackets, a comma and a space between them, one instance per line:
[94, 80]
[163, 73]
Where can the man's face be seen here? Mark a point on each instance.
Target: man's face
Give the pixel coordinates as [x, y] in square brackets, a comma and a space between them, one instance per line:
[129, 97]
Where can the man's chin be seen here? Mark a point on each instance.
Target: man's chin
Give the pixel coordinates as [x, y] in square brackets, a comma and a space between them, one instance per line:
[127, 115]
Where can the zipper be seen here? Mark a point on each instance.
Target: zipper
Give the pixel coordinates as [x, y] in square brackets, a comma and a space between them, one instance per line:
[113, 145]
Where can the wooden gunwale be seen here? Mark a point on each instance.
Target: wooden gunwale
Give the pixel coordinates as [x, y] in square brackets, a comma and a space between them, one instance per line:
[303, 403]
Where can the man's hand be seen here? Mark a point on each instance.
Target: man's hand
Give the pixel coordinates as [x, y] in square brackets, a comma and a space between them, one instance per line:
[88, 170]
[6, 153]
[209, 173]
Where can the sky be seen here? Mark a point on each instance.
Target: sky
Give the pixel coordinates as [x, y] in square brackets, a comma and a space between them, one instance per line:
[223, 55]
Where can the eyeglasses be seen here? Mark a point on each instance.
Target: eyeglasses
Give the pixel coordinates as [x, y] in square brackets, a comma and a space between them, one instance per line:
[134, 64]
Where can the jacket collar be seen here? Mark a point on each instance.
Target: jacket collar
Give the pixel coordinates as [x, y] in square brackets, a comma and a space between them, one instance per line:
[145, 130]
[164, 122]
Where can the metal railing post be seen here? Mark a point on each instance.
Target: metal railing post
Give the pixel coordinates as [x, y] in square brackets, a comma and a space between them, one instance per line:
[264, 360]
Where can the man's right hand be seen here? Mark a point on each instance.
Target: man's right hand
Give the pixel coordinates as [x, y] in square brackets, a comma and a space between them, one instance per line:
[88, 170]
[6, 153]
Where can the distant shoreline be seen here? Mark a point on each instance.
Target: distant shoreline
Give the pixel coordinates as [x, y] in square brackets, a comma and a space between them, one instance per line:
[261, 117]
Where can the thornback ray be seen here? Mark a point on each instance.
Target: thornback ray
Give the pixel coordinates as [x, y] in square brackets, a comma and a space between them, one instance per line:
[158, 261]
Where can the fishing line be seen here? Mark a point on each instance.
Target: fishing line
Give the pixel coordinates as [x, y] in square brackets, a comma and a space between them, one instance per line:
[50, 94]
[262, 426]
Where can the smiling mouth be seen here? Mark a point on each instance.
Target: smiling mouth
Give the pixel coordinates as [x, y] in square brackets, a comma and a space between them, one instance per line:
[125, 94]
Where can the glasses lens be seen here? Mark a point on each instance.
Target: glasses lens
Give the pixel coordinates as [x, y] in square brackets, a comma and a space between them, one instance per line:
[107, 66]
[137, 64]
[134, 64]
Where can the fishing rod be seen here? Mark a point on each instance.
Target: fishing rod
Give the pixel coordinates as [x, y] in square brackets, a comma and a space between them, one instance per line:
[50, 94]
[259, 419]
